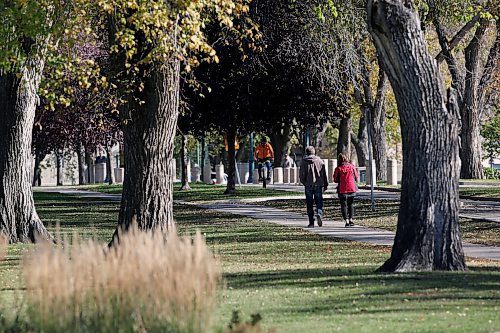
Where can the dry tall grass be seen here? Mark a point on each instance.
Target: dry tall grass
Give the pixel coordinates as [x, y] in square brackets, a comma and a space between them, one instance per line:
[3, 246]
[148, 283]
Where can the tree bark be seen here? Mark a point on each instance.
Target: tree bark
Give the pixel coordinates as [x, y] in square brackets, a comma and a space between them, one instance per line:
[149, 133]
[184, 163]
[81, 165]
[19, 220]
[280, 139]
[231, 156]
[59, 166]
[203, 160]
[88, 161]
[427, 236]
[344, 142]
[470, 109]
[378, 131]
[109, 166]
[361, 147]
[360, 141]
[37, 170]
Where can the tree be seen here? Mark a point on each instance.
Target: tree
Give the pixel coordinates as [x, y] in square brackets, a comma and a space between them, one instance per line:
[149, 40]
[31, 31]
[184, 162]
[427, 235]
[472, 81]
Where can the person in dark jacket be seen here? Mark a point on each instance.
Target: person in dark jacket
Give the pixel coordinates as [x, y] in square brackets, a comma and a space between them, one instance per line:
[313, 177]
[346, 176]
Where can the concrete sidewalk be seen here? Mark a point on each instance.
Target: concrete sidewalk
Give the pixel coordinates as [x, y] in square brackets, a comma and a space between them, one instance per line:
[290, 219]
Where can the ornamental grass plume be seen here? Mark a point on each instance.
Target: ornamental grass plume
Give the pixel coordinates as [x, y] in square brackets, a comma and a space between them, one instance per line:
[3, 246]
[148, 283]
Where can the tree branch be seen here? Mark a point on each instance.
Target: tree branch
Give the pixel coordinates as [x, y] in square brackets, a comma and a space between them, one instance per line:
[443, 42]
[491, 66]
[458, 38]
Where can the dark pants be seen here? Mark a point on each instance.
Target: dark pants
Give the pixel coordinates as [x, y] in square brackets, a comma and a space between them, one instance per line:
[347, 205]
[314, 194]
[268, 166]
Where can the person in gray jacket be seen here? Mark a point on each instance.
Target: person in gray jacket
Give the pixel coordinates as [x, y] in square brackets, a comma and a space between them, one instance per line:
[313, 177]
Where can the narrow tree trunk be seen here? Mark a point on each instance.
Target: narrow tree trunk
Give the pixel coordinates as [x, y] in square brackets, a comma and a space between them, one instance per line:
[203, 160]
[59, 166]
[88, 161]
[109, 166]
[427, 235]
[470, 111]
[81, 165]
[344, 142]
[19, 220]
[184, 163]
[378, 131]
[280, 139]
[149, 145]
[231, 156]
[360, 141]
[37, 170]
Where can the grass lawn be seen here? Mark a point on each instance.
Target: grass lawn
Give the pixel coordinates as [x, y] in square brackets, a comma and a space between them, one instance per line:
[202, 192]
[484, 192]
[386, 214]
[300, 282]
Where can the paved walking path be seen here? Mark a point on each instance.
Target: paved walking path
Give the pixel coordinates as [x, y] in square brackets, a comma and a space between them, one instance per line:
[334, 229]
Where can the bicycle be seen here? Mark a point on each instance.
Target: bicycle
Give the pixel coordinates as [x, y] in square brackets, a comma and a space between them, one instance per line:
[264, 171]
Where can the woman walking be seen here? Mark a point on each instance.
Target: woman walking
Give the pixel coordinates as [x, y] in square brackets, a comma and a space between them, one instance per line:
[346, 176]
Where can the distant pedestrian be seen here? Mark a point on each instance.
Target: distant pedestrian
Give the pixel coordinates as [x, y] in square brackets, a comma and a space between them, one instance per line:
[313, 177]
[346, 176]
[288, 162]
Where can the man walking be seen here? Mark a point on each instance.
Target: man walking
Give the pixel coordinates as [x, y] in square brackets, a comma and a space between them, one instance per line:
[313, 177]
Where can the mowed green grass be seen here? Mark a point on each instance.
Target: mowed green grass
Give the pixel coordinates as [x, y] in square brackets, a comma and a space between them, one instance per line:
[299, 282]
[202, 192]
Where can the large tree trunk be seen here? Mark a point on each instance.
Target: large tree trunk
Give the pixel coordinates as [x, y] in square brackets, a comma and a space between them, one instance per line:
[231, 156]
[19, 220]
[427, 235]
[81, 165]
[59, 166]
[344, 142]
[149, 134]
[378, 132]
[109, 166]
[280, 139]
[184, 163]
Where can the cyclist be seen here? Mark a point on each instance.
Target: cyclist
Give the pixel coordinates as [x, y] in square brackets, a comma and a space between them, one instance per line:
[264, 154]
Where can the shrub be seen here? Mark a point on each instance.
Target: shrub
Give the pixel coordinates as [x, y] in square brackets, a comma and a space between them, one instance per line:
[491, 173]
[148, 283]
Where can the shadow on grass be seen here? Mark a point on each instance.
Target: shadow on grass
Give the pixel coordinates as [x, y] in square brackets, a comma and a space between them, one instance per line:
[459, 284]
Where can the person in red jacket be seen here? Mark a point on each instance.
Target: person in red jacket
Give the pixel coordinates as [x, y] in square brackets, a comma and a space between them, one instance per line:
[346, 176]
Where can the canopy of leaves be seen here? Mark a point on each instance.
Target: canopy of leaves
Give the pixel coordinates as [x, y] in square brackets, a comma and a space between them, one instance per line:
[306, 63]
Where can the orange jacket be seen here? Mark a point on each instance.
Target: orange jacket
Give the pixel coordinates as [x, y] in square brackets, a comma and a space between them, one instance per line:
[263, 152]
